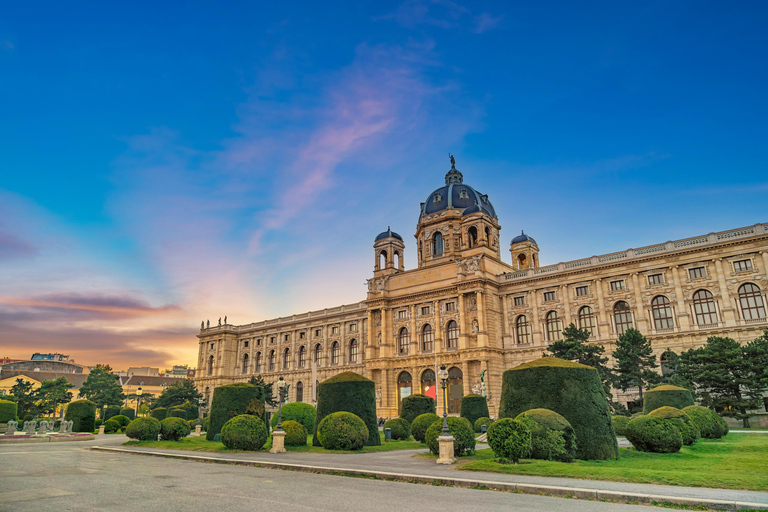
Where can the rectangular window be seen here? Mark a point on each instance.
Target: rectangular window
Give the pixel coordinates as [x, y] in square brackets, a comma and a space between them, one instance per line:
[582, 291]
[741, 266]
[335, 330]
[519, 301]
[352, 327]
[211, 346]
[271, 339]
[258, 342]
[655, 279]
[287, 337]
[245, 344]
[402, 314]
[450, 306]
[317, 333]
[548, 296]
[301, 335]
[696, 273]
[425, 310]
[617, 285]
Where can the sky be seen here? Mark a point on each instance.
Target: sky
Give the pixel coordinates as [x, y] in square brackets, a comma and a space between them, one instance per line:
[163, 163]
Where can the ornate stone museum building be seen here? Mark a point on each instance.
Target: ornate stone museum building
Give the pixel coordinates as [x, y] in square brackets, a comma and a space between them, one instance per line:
[466, 308]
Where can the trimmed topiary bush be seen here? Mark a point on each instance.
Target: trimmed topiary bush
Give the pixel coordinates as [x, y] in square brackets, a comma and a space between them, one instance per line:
[8, 411]
[159, 413]
[416, 405]
[420, 425]
[509, 439]
[82, 414]
[111, 426]
[298, 411]
[552, 437]
[143, 429]
[348, 392]
[462, 432]
[178, 413]
[479, 422]
[650, 434]
[174, 429]
[122, 420]
[128, 413]
[473, 407]
[234, 400]
[343, 431]
[666, 395]
[206, 423]
[620, 424]
[244, 432]
[111, 411]
[295, 433]
[709, 423]
[400, 428]
[97, 424]
[688, 429]
[570, 389]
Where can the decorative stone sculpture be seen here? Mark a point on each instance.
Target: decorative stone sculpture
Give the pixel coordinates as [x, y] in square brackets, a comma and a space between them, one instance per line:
[65, 427]
[44, 427]
[12, 426]
[202, 325]
[29, 427]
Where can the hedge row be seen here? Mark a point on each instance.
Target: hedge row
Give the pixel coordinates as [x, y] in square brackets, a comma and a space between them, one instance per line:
[348, 392]
[234, 400]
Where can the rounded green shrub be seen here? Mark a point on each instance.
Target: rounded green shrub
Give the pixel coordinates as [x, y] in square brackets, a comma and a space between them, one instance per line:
[666, 395]
[82, 414]
[143, 429]
[295, 433]
[416, 405]
[111, 426]
[462, 432]
[206, 423]
[650, 434]
[348, 392]
[479, 422]
[570, 389]
[174, 429]
[244, 432]
[8, 411]
[399, 427]
[552, 436]
[620, 424]
[234, 400]
[159, 413]
[688, 428]
[122, 420]
[128, 413]
[298, 411]
[342, 431]
[709, 423]
[473, 407]
[111, 411]
[178, 413]
[509, 439]
[192, 424]
[420, 425]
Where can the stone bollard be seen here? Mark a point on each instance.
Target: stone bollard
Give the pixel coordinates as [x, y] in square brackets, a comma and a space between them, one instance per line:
[12, 427]
[278, 441]
[198, 430]
[446, 450]
[101, 429]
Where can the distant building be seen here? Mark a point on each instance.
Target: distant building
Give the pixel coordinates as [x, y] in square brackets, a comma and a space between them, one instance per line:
[49, 357]
[143, 370]
[57, 363]
[6, 360]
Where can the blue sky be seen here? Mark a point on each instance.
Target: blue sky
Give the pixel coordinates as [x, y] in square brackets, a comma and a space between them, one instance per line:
[161, 164]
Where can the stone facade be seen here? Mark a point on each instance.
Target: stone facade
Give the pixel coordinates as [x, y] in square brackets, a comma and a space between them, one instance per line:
[466, 308]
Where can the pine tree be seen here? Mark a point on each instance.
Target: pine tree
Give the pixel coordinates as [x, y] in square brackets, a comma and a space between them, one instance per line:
[268, 397]
[178, 393]
[101, 387]
[52, 393]
[24, 396]
[635, 361]
[574, 347]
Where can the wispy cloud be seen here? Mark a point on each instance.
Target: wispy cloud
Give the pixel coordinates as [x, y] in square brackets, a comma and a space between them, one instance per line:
[442, 13]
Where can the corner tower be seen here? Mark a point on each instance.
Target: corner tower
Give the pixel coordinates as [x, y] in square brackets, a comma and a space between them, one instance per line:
[389, 249]
[525, 252]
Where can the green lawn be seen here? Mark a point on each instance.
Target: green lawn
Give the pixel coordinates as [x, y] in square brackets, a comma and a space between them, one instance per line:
[738, 461]
[199, 444]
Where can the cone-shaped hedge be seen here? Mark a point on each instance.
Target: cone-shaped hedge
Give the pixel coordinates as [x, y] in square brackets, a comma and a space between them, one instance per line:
[348, 392]
[82, 414]
[570, 389]
[666, 396]
[416, 405]
[234, 400]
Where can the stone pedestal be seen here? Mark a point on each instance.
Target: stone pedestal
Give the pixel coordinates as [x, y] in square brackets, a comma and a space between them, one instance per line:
[446, 450]
[101, 429]
[198, 429]
[278, 442]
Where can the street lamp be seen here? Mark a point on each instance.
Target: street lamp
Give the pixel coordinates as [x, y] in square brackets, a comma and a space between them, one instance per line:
[138, 399]
[281, 397]
[443, 375]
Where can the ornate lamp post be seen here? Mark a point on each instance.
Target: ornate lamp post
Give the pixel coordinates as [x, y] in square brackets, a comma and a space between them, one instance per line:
[138, 400]
[445, 441]
[278, 435]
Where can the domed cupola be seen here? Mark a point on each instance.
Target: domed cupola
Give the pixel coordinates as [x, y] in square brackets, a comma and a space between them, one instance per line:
[525, 252]
[389, 249]
[456, 195]
[388, 233]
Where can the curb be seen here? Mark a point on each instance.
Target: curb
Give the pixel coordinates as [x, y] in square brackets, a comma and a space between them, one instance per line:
[547, 490]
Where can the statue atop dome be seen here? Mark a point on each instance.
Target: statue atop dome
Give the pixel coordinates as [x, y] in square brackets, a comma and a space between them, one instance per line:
[453, 177]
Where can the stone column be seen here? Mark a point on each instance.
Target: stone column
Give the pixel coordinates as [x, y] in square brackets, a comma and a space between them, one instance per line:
[386, 332]
[602, 325]
[506, 338]
[438, 329]
[414, 349]
[385, 399]
[682, 322]
[462, 322]
[482, 329]
[729, 313]
[641, 320]
[534, 321]
[566, 304]
[370, 347]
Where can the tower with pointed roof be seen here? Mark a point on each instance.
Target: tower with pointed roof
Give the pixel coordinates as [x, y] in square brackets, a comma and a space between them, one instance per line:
[525, 252]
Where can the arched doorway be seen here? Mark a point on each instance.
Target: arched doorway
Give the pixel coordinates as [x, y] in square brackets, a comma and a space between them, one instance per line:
[428, 384]
[455, 390]
[404, 387]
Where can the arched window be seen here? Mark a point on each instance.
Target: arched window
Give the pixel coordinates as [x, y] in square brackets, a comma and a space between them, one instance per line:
[210, 365]
[622, 316]
[587, 319]
[523, 329]
[396, 259]
[299, 391]
[271, 359]
[318, 354]
[286, 359]
[403, 341]
[335, 353]
[452, 334]
[521, 261]
[302, 356]
[383, 259]
[662, 313]
[553, 326]
[455, 389]
[427, 338]
[207, 396]
[704, 307]
[258, 362]
[472, 234]
[428, 384]
[353, 348]
[487, 236]
[404, 387]
[245, 363]
[437, 244]
[752, 305]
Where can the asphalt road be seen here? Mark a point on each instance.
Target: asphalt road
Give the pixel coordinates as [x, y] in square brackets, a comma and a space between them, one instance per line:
[68, 476]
